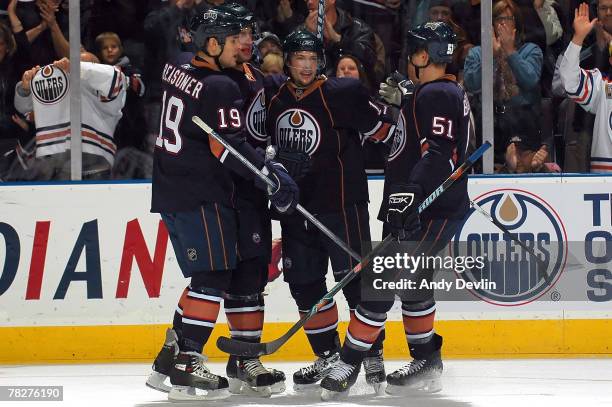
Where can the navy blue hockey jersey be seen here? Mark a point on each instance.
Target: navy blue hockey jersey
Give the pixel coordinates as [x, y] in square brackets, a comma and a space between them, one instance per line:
[189, 166]
[430, 142]
[315, 121]
[250, 81]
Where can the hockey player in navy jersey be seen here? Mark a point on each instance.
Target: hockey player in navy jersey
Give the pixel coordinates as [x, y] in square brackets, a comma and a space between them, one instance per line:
[244, 301]
[435, 120]
[194, 190]
[307, 119]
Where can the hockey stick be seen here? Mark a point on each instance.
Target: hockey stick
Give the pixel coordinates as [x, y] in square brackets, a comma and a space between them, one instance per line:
[542, 267]
[249, 349]
[200, 123]
[320, 19]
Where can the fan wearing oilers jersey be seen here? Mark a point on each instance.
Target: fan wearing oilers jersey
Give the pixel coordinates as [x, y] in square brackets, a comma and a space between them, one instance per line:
[244, 301]
[308, 119]
[591, 89]
[194, 190]
[433, 143]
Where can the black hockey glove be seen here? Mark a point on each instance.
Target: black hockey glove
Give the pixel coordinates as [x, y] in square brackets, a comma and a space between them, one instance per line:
[402, 210]
[286, 195]
[297, 163]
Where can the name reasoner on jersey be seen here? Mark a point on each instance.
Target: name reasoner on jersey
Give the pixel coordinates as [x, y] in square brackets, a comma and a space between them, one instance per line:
[182, 80]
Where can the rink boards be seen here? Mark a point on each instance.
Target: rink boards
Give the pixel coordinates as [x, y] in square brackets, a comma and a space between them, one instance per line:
[88, 274]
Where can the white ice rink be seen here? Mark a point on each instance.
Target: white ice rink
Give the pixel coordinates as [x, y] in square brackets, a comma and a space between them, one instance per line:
[467, 383]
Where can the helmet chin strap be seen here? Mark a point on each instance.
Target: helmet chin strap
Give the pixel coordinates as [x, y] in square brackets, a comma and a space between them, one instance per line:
[216, 58]
[418, 67]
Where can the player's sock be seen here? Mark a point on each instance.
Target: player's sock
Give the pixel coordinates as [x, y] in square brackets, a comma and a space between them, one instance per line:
[200, 312]
[245, 316]
[177, 321]
[418, 321]
[321, 329]
[363, 331]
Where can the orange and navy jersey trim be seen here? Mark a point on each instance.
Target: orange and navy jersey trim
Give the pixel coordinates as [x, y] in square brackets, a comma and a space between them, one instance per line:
[584, 92]
[49, 135]
[601, 164]
[200, 63]
[382, 131]
[117, 84]
[301, 94]
[98, 139]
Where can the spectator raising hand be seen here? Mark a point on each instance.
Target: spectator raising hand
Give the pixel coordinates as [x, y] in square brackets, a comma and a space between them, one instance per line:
[582, 25]
[589, 89]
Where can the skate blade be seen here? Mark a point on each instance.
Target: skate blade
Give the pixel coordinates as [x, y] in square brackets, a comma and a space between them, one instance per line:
[156, 382]
[379, 388]
[278, 387]
[237, 386]
[187, 393]
[426, 386]
[329, 395]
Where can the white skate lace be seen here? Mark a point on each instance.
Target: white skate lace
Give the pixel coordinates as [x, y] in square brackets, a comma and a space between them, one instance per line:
[411, 367]
[200, 368]
[340, 371]
[320, 365]
[254, 367]
[373, 364]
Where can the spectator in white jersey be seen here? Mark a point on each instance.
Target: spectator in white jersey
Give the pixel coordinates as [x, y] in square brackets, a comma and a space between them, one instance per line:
[591, 89]
[44, 92]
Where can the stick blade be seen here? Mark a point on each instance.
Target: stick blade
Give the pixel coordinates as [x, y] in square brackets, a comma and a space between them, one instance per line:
[240, 348]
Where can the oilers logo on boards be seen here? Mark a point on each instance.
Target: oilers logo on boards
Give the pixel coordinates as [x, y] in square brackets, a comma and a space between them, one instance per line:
[49, 85]
[515, 272]
[297, 130]
[399, 138]
[256, 117]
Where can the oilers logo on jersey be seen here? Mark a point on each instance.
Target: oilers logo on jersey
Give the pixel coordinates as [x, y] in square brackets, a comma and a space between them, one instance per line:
[50, 86]
[256, 117]
[399, 138]
[297, 130]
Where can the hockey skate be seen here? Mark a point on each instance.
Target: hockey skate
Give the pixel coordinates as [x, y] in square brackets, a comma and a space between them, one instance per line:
[250, 377]
[374, 367]
[191, 380]
[418, 376]
[163, 363]
[337, 383]
[307, 377]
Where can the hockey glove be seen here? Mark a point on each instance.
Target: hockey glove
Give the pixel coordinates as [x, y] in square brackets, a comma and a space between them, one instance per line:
[297, 164]
[286, 195]
[402, 211]
[395, 88]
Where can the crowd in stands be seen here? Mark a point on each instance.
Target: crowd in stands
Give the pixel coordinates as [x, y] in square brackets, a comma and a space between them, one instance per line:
[538, 127]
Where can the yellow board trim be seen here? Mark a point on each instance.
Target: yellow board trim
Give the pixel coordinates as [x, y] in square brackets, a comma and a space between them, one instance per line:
[462, 339]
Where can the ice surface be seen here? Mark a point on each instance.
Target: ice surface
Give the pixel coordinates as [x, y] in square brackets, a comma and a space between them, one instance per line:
[467, 383]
